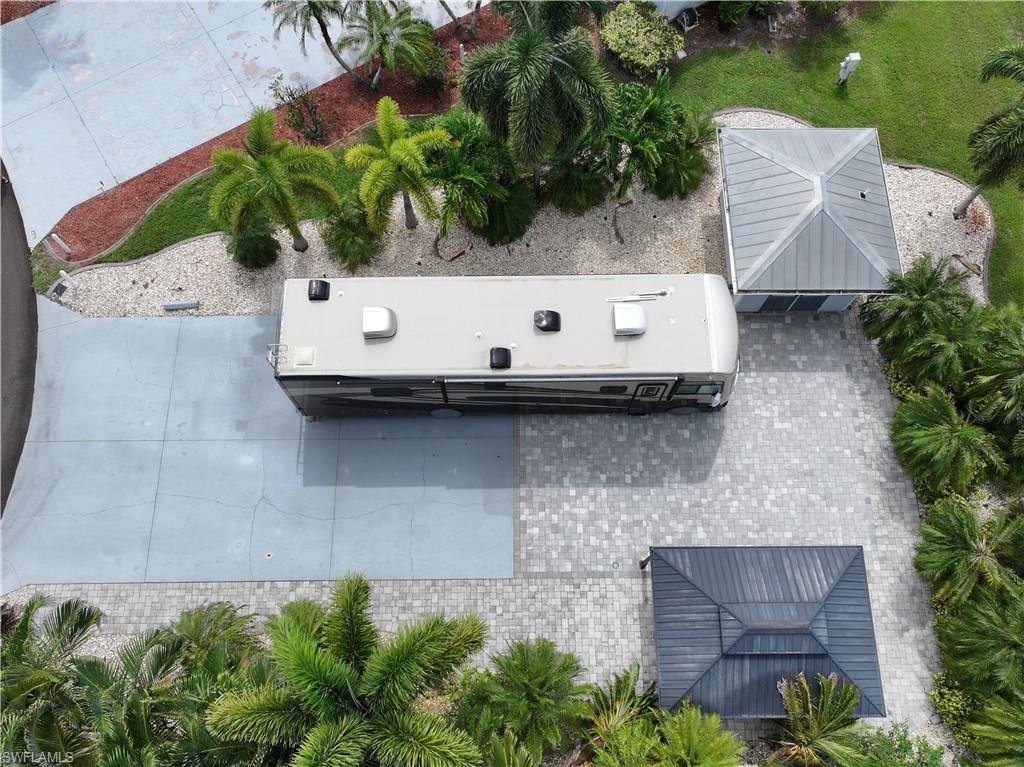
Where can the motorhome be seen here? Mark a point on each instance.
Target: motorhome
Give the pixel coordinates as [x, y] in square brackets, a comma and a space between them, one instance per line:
[634, 344]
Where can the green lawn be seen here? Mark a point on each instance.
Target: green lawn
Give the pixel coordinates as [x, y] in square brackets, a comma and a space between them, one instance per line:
[185, 213]
[917, 83]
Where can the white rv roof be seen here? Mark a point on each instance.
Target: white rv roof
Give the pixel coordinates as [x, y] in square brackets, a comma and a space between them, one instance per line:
[447, 326]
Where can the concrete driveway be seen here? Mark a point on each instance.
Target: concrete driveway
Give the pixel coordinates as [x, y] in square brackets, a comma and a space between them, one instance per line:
[162, 450]
[94, 93]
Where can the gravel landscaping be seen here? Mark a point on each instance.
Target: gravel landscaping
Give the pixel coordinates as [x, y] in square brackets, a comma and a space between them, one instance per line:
[656, 236]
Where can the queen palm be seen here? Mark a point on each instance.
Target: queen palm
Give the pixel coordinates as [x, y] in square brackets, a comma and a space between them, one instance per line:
[270, 175]
[306, 15]
[398, 165]
[387, 36]
[540, 89]
[997, 731]
[921, 298]
[997, 145]
[983, 644]
[43, 713]
[958, 552]
[941, 448]
[342, 697]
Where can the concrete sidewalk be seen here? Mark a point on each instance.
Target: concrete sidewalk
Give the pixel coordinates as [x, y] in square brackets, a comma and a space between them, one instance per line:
[163, 450]
[94, 93]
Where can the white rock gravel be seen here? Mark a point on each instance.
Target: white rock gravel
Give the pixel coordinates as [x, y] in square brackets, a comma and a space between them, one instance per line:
[668, 236]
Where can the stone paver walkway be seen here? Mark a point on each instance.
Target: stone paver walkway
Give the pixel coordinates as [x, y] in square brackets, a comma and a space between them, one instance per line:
[801, 455]
[96, 91]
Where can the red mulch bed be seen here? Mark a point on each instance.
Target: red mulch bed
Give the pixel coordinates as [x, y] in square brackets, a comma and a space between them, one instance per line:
[92, 227]
[15, 9]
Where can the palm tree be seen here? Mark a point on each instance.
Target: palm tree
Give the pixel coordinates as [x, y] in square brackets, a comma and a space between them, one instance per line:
[820, 729]
[983, 645]
[618, 703]
[948, 352]
[341, 697]
[958, 552]
[997, 731]
[535, 693]
[272, 176]
[43, 713]
[507, 752]
[921, 298]
[939, 447]
[998, 388]
[389, 36]
[305, 15]
[997, 145]
[397, 165]
[631, 745]
[471, 170]
[693, 739]
[540, 89]
[557, 18]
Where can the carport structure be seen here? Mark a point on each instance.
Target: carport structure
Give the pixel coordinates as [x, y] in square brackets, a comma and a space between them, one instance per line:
[806, 217]
[730, 622]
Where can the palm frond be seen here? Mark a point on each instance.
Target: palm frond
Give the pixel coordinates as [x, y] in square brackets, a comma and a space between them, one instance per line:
[327, 683]
[349, 632]
[264, 715]
[418, 739]
[334, 744]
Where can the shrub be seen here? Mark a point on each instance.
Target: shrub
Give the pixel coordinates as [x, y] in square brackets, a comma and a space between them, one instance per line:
[953, 704]
[254, 245]
[348, 237]
[434, 74]
[764, 7]
[509, 219]
[301, 111]
[534, 694]
[640, 37]
[900, 387]
[821, 10]
[577, 182]
[895, 748]
[732, 12]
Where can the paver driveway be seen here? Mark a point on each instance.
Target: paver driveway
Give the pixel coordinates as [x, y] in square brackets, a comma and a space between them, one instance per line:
[163, 450]
[800, 456]
[95, 92]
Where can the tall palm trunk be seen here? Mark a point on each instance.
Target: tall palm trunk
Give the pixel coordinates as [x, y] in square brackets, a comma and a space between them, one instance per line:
[474, 20]
[298, 241]
[961, 209]
[337, 56]
[376, 77]
[451, 13]
[410, 214]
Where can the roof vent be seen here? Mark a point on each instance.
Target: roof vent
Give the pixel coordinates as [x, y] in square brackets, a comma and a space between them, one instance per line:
[864, 194]
[501, 358]
[319, 290]
[630, 319]
[379, 322]
[547, 320]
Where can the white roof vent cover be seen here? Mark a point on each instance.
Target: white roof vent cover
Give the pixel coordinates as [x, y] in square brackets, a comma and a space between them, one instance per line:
[379, 322]
[630, 319]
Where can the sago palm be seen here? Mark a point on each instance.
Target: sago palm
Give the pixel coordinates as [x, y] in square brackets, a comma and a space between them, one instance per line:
[343, 698]
[43, 712]
[398, 165]
[534, 692]
[921, 298]
[693, 739]
[388, 36]
[631, 745]
[997, 145]
[983, 645]
[997, 731]
[997, 392]
[305, 16]
[620, 702]
[539, 89]
[958, 552]
[270, 175]
[939, 447]
[821, 729]
[948, 352]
